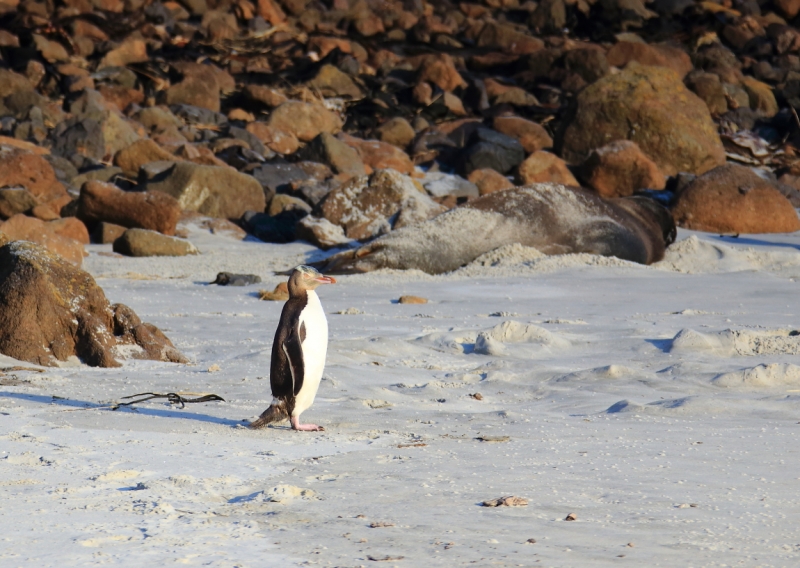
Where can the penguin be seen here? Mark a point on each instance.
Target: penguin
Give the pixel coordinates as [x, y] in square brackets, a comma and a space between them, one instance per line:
[298, 352]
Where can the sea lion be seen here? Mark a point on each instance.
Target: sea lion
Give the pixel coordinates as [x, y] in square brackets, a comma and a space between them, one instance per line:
[552, 218]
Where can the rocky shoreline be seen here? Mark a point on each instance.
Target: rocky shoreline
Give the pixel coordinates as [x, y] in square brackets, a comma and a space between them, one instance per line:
[338, 122]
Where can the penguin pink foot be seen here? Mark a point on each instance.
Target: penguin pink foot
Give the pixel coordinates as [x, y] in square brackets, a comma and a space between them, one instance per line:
[305, 427]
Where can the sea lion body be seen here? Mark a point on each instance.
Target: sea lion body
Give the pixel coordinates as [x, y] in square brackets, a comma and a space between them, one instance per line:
[552, 218]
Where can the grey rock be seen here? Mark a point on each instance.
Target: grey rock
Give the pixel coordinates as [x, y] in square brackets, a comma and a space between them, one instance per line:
[440, 184]
[229, 279]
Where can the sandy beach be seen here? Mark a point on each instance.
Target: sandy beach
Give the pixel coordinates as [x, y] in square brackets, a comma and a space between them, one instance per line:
[657, 405]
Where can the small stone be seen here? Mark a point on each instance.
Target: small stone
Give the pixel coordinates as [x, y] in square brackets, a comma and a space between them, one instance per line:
[141, 242]
[396, 131]
[328, 149]
[279, 294]
[440, 70]
[531, 135]
[489, 180]
[214, 368]
[571, 517]
[380, 525]
[304, 120]
[412, 300]
[477, 396]
[545, 167]
[332, 82]
[530, 541]
[240, 114]
[507, 501]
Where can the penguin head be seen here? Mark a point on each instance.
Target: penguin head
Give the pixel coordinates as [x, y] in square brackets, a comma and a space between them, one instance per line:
[307, 278]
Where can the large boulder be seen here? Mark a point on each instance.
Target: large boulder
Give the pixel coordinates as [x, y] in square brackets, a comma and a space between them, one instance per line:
[156, 211]
[51, 311]
[734, 199]
[366, 207]
[23, 228]
[650, 106]
[20, 168]
[215, 191]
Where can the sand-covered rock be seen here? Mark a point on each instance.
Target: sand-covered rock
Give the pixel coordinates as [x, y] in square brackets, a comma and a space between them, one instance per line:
[51, 311]
[734, 199]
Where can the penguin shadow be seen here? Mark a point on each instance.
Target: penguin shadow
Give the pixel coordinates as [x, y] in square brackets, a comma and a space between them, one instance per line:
[86, 405]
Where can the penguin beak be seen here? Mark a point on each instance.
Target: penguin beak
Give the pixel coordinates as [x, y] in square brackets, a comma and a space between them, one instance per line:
[326, 280]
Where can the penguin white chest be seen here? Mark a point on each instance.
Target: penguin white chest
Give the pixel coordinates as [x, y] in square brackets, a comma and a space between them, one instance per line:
[315, 349]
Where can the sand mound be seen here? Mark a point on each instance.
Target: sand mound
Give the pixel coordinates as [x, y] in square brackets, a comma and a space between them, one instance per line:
[606, 373]
[742, 342]
[689, 405]
[695, 256]
[493, 341]
[773, 375]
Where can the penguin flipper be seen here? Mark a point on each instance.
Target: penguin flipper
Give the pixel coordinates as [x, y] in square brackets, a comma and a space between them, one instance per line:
[293, 349]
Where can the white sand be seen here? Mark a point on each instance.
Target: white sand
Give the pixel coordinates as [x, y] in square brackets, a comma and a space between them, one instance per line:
[686, 449]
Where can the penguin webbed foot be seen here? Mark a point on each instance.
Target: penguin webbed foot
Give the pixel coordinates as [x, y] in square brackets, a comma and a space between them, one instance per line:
[272, 414]
[305, 427]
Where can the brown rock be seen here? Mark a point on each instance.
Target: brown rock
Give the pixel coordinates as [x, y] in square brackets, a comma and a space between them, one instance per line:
[379, 155]
[51, 51]
[533, 137]
[508, 39]
[761, 97]
[264, 95]
[412, 300]
[708, 87]
[121, 97]
[51, 311]
[241, 114]
[11, 82]
[138, 154]
[619, 169]
[789, 8]
[396, 131]
[489, 180]
[224, 228]
[282, 202]
[675, 58]
[368, 24]
[22, 144]
[211, 190]
[321, 233]
[20, 227]
[673, 125]
[366, 207]
[156, 211]
[141, 242]
[199, 87]
[271, 12]
[131, 51]
[545, 167]
[342, 159]
[733, 199]
[304, 120]
[331, 82]
[440, 70]
[19, 168]
[14, 200]
[273, 138]
[50, 210]
[71, 228]
[106, 233]
[423, 94]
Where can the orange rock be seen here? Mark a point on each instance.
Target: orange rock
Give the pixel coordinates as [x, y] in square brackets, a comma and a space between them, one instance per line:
[275, 139]
[379, 155]
[31, 171]
[23, 145]
[271, 12]
[22, 228]
[138, 154]
[675, 58]
[533, 137]
[733, 199]
[155, 210]
[440, 69]
[489, 180]
[543, 167]
[621, 168]
[71, 228]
